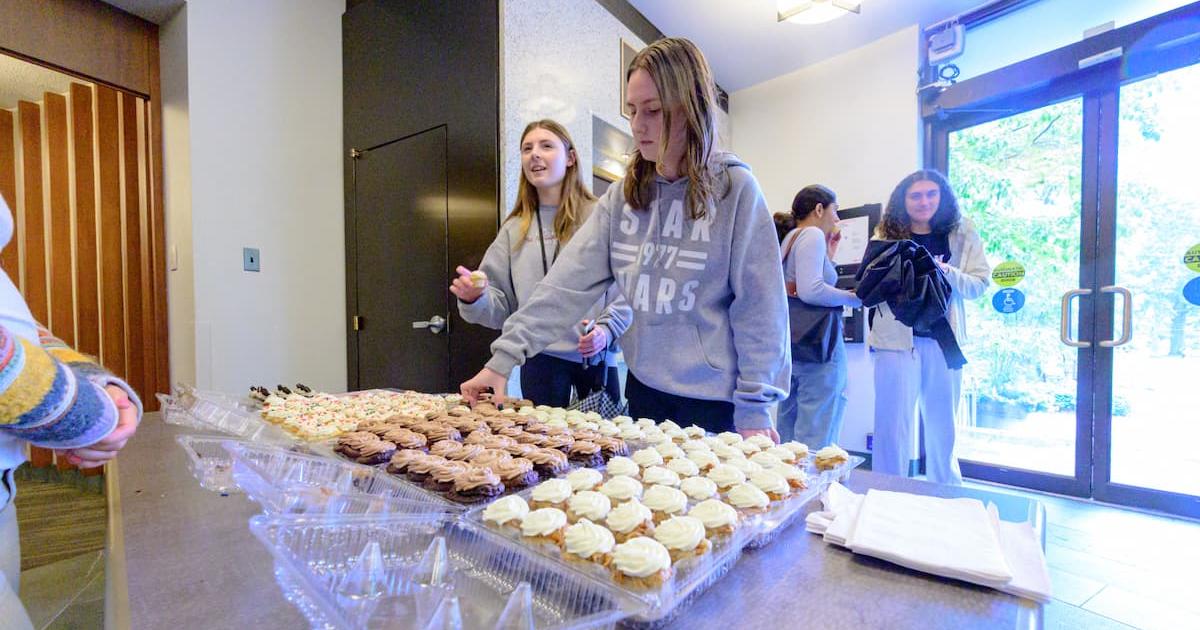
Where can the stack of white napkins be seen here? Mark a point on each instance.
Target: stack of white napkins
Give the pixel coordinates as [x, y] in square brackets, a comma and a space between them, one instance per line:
[955, 538]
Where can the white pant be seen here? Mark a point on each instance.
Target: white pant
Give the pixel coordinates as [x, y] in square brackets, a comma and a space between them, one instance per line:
[12, 613]
[904, 382]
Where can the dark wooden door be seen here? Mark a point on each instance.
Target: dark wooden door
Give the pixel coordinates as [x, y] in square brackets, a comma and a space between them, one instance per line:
[401, 228]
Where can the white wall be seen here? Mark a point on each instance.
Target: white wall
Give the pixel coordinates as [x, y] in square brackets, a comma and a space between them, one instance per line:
[264, 139]
[851, 123]
[561, 59]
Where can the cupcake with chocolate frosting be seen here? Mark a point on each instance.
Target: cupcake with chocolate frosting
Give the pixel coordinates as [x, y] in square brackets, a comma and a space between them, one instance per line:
[548, 462]
[476, 484]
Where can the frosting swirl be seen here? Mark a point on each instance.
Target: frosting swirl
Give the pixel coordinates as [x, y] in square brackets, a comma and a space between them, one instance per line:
[641, 557]
[586, 539]
[448, 471]
[665, 499]
[583, 447]
[660, 475]
[725, 475]
[584, 478]
[425, 465]
[770, 482]
[620, 465]
[375, 448]
[682, 533]
[447, 448]
[683, 467]
[692, 446]
[782, 454]
[729, 437]
[698, 488]
[703, 459]
[791, 473]
[694, 431]
[747, 496]
[589, 504]
[647, 457]
[489, 457]
[799, 448]
[555, 459]
[357, 439]
[746, 466]
[765, 459]
[727, 452]
[761, 441]
[475, 477]
[714, 514]
[552, 491]
[401, 459]
[627, 516]
[622, 488]
[512, 469]
[543, 522]
[505, 509]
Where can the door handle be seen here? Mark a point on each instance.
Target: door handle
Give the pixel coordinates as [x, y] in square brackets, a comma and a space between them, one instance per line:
[1126, 317]
[435, 325]
[1068, 314]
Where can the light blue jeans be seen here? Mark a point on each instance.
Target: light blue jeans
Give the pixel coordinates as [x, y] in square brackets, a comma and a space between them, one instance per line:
[812, 413]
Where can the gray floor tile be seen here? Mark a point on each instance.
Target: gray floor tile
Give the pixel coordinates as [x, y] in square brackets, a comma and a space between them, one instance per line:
[1061, 616]
[1141, 611]
[1073, 589]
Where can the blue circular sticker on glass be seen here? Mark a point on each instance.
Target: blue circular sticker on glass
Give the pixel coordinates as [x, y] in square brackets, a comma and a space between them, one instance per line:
[1191, 291]
[1008, 300]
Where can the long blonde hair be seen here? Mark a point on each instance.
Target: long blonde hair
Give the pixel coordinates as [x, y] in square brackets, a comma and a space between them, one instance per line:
[574, 195]
[685, 85]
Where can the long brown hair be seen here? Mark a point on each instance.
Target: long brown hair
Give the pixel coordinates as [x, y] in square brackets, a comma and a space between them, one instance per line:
[574, 195]
[896, 224]
[685, 86]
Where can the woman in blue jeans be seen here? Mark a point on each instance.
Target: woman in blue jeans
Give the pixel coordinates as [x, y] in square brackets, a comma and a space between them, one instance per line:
[809, 236]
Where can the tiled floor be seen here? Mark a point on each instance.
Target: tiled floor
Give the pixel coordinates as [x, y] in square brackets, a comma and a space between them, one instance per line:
[1118, 568]
[67, 594]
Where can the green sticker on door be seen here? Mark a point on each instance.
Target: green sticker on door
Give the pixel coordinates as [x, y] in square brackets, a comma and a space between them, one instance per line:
[1192, 258]
[1008, 274]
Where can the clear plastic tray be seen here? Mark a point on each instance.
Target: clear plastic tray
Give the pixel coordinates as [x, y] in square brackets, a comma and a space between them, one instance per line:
[783, 515]
[689, 579]
[392, 572]
[285, 481]
[211, 464]
[215, 414]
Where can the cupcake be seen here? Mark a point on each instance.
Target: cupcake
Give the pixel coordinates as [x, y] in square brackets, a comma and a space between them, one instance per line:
[511, 431]
[548, 462]
[748, 448]
[400, 460]
[506, 511]
[531, 438]
[660, 475]
[622, 488]
[647, 457]
[748, 498]
[695, 432]
[624, 466]
[377, 452]
[551, 493]
[783, 454]
[586, 454]
[521, 450]
[670, 451]
[698, 488]
[691, 446]
[729, 437]
[630, 520]
[589, 505]
[436, 432]
[444, 474]
[746, 466]
[589, 542]
[761, 441]
[766, 459]
[631, 433]
[726, 476]
[489, 456]
[545, 525]
[559, 441]
[712, 441]
[498, 442]
[799, 448]
[516, 473]
[351, 444]
[683, 536]
[683, 467]
[584, 479]
[464, 452]
[669, 425]
[830, 457]
[449, 448]
[477, 436]
[665, 502]
[677, 435]
[646, 423]
[719, 518]
[642, 563]
[612, 446]
[704, 460]
[476, 484]
[772, 483]
[794, 476]
[727, 452]
[419, 470]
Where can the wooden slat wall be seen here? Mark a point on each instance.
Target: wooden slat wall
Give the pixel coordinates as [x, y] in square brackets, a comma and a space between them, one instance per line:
[89, 254]
[33, 285]
[112, 291]
[87, 297]
[62, 263]
[10, 259]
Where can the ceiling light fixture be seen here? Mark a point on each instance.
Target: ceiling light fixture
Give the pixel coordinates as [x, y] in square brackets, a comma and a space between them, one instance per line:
[816, 11]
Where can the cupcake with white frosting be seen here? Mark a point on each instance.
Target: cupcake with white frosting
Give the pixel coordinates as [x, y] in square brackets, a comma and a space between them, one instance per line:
[588, 504]
[729, 437]
[698, 488]
[830, 457]
[647, 457]
[621, 488]
[660, 475]
[665, 502]
[799, 448]
[624, 466]
[783, 454]
[718, 517]
[683, 536]
[765, 459]
[589, 542]
[630, 520]
[726, 476]
[761, 441]
[545, 525]
[748, 498]
[704, 460]
[772, 483]
[793, 475]
[683, 467]
[507, 511]
[670, 451]
[551, 493]
[584, 479]
[727, 452]
[746, 466]
[642, 563]
[695, 432]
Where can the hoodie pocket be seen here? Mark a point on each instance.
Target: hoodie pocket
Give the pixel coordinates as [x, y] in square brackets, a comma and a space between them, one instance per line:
[681, 351]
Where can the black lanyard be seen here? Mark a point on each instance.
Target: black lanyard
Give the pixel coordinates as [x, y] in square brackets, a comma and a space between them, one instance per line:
[542, 242]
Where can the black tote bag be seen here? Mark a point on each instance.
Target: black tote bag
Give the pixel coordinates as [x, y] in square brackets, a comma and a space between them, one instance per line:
[815, 330]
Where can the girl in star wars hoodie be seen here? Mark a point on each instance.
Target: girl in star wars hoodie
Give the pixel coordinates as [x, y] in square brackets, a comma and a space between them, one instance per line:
[688, 239]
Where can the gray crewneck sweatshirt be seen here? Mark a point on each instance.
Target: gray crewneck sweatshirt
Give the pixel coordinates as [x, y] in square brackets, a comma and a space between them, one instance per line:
[710, 309]
[514, 272]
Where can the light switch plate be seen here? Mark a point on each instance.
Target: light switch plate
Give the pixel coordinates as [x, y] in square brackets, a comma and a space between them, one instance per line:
[250, 259]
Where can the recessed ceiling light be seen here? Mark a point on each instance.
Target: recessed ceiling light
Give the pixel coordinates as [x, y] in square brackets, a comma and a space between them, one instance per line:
[816, 11]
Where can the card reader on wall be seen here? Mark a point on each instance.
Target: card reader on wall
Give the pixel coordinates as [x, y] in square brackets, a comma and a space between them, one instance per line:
[946, 44]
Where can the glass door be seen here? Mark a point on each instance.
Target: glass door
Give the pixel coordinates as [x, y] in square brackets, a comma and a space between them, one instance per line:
[1018, 178]
[1150, 425]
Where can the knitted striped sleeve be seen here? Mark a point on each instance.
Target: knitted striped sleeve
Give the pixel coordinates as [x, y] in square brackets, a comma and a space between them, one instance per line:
[53, 396]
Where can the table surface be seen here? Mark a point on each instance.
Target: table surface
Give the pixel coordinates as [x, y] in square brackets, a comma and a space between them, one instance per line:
[193, 563]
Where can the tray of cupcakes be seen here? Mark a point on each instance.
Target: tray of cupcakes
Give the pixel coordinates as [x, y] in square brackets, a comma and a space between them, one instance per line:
[313, 416]
[469, 456]
[653, 531]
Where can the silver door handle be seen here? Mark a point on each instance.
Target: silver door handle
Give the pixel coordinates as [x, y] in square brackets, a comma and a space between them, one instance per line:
[1126, 318]
[435, 325]
[1068, 314]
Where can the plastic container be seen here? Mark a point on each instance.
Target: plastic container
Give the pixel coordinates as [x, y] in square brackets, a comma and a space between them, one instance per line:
[210, 463]
[215, 414]
[285, 481]
[426, 572]
[689, 579]
[782, 516]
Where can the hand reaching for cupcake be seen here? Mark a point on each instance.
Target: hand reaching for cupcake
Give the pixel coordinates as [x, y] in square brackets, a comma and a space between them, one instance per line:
[483, 381]
[469, 285]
